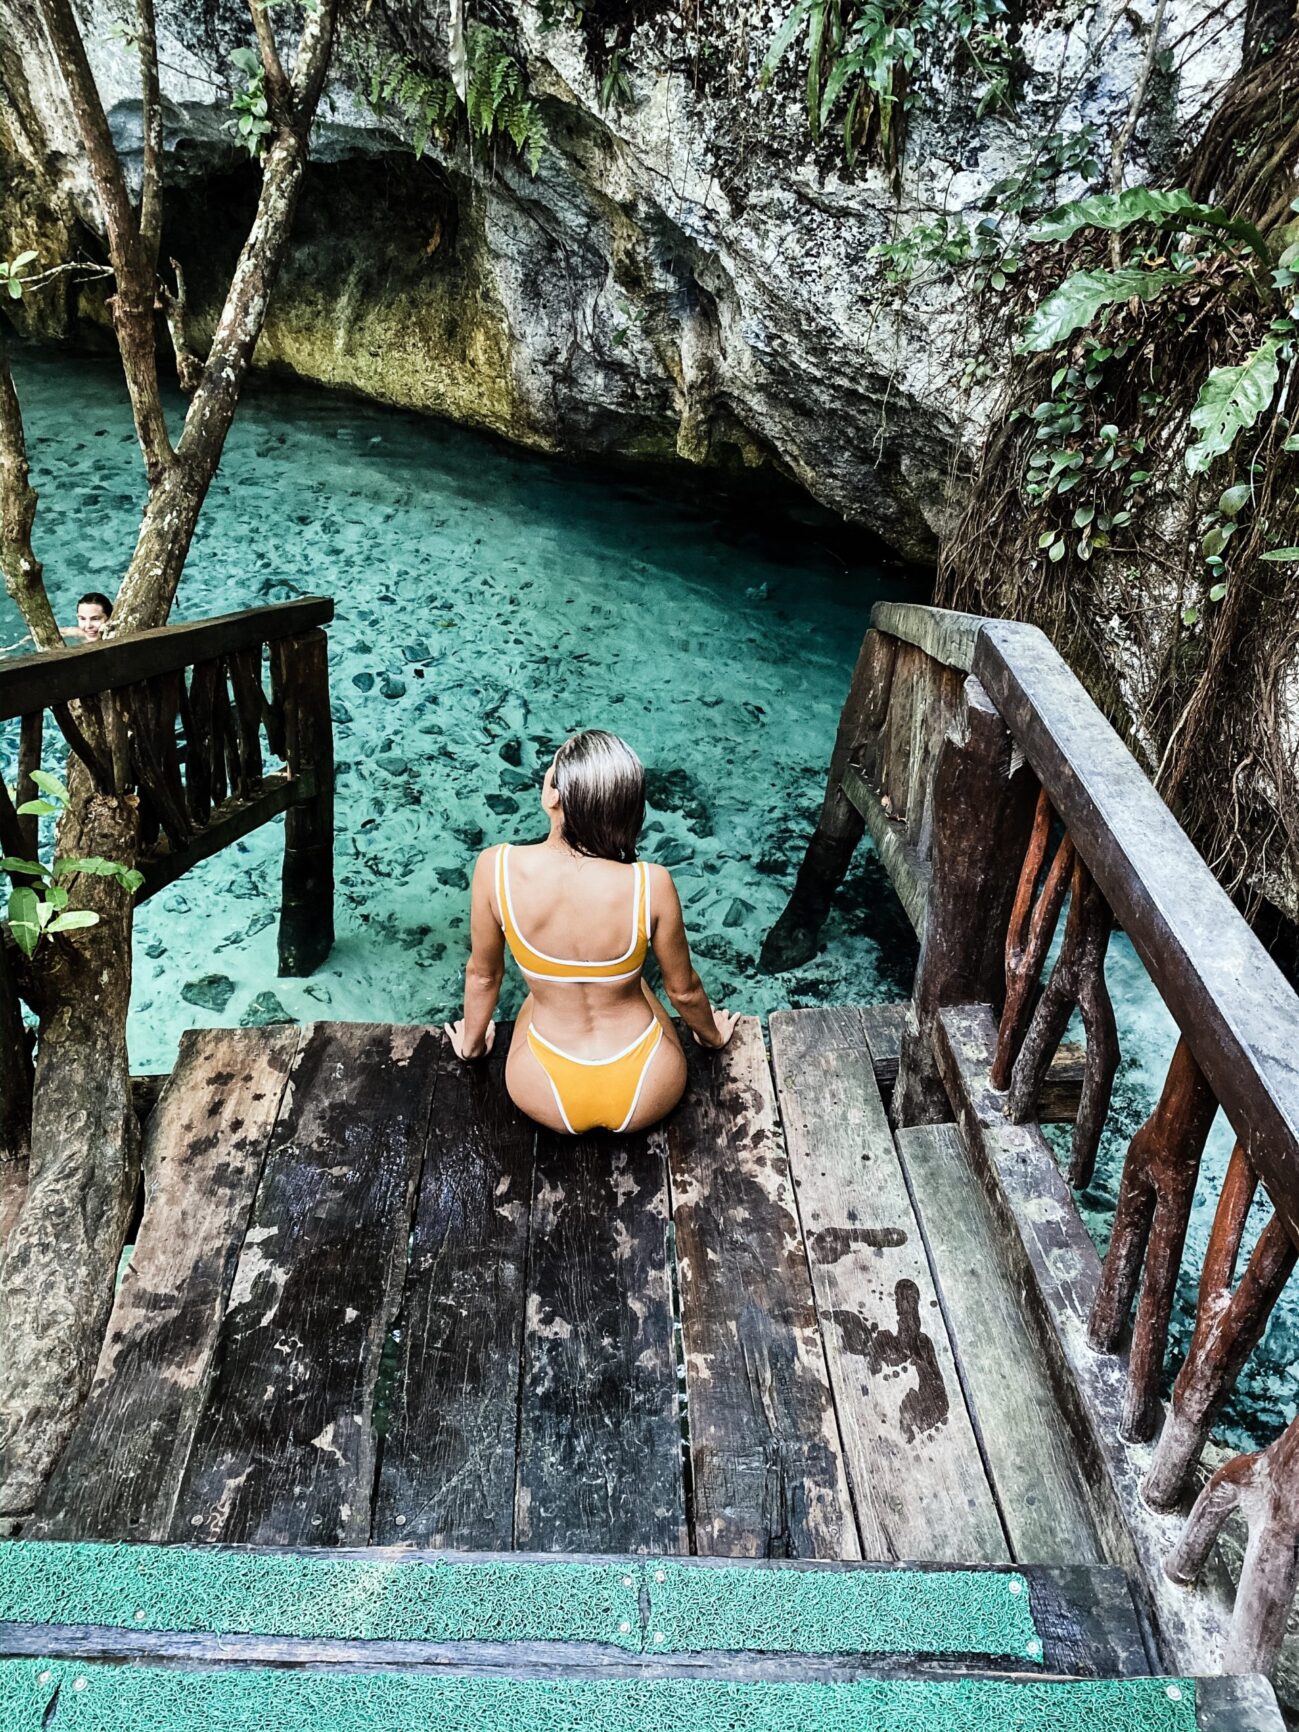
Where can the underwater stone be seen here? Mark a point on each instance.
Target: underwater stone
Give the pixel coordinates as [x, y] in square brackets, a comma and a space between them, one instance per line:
[454, 877]
[209, 991]
[673, 853]
[470, 834]
[363, 682]
[678, 791]
[504, 805]
[263, 1011]
[340, 712]
[392, 763]
[512, 752]
[737, 912]
[392, 687]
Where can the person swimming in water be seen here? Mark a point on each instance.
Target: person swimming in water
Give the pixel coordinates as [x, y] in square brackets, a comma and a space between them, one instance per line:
[593, 1047]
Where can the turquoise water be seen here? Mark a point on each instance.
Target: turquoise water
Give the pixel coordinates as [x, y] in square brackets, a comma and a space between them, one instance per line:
[488, 603]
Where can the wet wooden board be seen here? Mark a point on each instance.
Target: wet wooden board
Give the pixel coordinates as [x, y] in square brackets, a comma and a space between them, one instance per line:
[284, 1451]
[447, 1466]
[766, 1455]
[120, 1474]
[1028, 1447]
[919, 1482]
[599, 1440]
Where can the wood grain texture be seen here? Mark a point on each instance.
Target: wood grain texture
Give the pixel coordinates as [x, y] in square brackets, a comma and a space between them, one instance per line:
[599, 1438]
[285, 1448]
[918, 1480]
[447, 1468]
[121, 1472]
[1027, 1446]
[766, 1453]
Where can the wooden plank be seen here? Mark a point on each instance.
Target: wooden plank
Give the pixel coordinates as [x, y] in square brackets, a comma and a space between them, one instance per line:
[448, 1460]
[1026, 1443]
[766, 1455]
[1226, 994]
[1056, 1268]
[285, 1449]
[599, 1432]
[227, 823]
[120, 1474]
[947, 636]
[919, 1483]
[53, 677]
[908, 873]
[882, 1025]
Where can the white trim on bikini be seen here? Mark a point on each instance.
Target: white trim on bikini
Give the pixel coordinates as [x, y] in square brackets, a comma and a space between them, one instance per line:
[644, 1072]
[642, 877]
[610, 1058]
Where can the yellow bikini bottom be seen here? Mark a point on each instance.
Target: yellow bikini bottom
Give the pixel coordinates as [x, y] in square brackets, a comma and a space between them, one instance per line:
[597, 1093]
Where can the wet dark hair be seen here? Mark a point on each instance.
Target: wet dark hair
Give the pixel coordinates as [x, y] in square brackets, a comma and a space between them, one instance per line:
[93, 598]
[601, 786]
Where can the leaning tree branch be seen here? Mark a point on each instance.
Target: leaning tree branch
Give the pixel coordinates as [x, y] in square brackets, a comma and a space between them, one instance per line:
[278, 89]
[175, 305]
[312, 63]
[133, 303]
[1123, 137]
[23, 576]
[151, 119]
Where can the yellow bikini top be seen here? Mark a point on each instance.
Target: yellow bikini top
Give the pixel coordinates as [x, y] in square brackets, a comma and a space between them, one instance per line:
[538, 966]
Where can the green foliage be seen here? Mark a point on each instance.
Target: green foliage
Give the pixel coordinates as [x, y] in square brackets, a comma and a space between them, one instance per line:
[251, 123]
[1171, 210]
[497, 106]
[1081, 296]
[38, 910]
[866, 60]
[1231, 401]
[11, 279]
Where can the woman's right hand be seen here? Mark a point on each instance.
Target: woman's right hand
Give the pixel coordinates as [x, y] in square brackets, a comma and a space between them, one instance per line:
[725, 1021]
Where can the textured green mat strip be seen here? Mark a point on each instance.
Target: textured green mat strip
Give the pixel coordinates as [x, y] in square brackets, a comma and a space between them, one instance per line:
[180, 1588]
[153, 1699]
[694, 1608]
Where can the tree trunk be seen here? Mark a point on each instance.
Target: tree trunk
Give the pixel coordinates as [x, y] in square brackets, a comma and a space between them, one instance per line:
[58, 1265]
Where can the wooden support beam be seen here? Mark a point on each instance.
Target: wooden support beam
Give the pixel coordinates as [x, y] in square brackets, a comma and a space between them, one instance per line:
[908, 871]
[227, 823]
[1032, 926]
[300, 671]
[982, 804]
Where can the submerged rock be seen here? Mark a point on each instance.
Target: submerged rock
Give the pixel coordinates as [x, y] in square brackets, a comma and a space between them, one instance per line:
[209, 991]
[263, 1011]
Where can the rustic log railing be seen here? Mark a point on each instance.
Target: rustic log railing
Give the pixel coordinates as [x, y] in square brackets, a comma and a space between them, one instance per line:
[178, 717]
[994, 789]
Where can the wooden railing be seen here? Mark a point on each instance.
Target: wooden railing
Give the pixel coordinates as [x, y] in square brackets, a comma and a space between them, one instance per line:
[181, 718]
[993, 789]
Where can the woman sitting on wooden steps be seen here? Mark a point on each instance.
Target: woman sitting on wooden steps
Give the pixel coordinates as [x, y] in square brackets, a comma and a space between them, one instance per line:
[583, 1055]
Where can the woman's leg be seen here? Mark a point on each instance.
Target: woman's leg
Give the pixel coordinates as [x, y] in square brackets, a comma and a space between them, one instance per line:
[665, 1077]
[527, 1084]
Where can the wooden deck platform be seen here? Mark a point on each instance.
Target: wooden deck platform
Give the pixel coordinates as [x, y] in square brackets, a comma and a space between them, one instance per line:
[370, 1304]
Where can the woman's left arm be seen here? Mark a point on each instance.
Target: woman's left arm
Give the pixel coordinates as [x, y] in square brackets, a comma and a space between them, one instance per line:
[473, 1035]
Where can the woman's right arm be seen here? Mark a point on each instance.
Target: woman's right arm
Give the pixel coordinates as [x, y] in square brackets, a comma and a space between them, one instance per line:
[672, 949]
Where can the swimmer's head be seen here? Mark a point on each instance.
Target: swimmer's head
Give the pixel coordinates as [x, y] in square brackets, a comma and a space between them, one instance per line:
[596, 788]
[93, 613]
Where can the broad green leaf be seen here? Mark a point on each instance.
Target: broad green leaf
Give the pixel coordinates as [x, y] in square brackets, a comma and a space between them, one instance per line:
[1217, 592]
[51, 786]
[1233, 499]
[1171, 208]
[1282, 555]
[95, 866]
[22, 259]
[36, 809]
[1190, 615]
[25, 919]
[56, 896]
[130, 879]
[781, 40]
[31, 868]
[74, 921]
[1080, 297]
[1230, 401]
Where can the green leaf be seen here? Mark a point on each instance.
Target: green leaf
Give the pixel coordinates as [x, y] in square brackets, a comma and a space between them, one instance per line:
[56, 896]
[1047, 537]
[51, 786]
[25, 919]
[1190, 615]
[1233, 499]
[1214, 541]
[36, 809]
[1080, 297]
[1281, 555]
[1057, 553]
[22, 259]
[15, 289]
[781, 40]
[1173, 208]
[1217, 592]
[246, 61]
[1083, 516]
[1230, 401]
[78, 918]
[32, 868]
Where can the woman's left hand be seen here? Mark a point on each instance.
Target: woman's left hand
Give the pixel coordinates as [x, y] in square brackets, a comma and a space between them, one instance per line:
[455, 1033]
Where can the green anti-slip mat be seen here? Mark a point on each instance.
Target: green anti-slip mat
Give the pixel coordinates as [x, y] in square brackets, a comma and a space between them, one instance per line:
[70, 1698]
[687, 1608]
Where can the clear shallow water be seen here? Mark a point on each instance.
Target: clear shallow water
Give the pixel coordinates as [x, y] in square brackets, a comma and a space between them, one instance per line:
[487, 604]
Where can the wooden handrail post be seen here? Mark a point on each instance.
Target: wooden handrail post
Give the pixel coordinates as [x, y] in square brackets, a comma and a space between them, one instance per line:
[982, 819]
[300, 670]
[793, 940]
